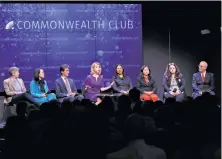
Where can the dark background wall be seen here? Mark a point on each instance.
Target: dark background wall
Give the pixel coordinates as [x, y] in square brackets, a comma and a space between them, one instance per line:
[172, 33]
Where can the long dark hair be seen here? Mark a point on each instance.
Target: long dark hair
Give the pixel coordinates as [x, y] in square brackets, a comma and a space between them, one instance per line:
[168, 74]
[141, 72]
[40, 82]
[116, 71]
[36, 74]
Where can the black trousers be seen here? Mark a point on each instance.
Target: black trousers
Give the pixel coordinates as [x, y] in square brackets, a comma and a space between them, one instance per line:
[24, 97]
[71, 98]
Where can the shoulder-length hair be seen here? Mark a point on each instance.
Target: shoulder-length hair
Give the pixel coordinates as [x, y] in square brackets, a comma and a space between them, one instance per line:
[141, 71]
[168, 74]
[122, 68]
[93, 66]
[36, 74]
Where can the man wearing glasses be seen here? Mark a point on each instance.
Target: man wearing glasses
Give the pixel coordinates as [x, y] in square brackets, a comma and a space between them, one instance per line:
[203, 81]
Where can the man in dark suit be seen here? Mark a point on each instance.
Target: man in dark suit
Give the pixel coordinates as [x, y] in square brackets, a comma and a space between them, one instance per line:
[203, 81]
[65, 87]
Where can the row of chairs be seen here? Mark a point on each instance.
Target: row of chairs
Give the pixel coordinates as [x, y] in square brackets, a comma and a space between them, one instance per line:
[10, 108]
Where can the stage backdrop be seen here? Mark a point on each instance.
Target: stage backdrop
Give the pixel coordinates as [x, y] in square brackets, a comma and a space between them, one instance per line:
[48, 35]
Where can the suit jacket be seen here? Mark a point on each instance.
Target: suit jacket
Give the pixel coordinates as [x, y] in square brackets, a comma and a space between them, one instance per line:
[35, 89]
[180, 82]
[122, 84]
[10, 90]
[142, 86]
[207, 85]
[60, 87]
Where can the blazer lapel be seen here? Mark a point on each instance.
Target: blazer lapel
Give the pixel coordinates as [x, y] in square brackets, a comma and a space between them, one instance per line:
[169, 81]
[21, 83]
[206, 77]
[70, 84]
[199, 77]
[143, 81]
[11, 83]
[62, 82]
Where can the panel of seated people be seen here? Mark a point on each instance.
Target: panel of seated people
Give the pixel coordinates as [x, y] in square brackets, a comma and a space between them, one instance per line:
[65, 88]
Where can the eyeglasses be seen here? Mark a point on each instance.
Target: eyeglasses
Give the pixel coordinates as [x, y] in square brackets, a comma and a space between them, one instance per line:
[200, 66]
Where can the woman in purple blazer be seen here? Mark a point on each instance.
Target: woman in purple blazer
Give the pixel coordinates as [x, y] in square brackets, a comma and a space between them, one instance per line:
[173, 82]
[94, 83]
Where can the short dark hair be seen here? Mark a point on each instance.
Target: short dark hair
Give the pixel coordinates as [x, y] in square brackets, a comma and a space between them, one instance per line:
[63, 67]
[36, 74]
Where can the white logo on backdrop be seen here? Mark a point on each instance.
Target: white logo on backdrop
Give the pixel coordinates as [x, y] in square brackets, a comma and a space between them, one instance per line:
[10, 25]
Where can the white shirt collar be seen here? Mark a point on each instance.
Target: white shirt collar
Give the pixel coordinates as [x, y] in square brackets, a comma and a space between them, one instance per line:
[204, 73]
[64, 78]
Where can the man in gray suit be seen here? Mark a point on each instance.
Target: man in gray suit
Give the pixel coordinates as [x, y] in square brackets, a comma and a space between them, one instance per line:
[15, 89]
[65, 87]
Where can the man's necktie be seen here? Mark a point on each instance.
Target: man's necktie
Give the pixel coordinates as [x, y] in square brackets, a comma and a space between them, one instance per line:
[68, 86]
[202, 76]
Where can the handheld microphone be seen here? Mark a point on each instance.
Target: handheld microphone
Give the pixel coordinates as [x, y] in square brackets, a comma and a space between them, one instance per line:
[174, 90]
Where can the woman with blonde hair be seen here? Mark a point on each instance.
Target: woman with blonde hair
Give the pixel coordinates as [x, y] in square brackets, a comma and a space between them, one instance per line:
[94, 82]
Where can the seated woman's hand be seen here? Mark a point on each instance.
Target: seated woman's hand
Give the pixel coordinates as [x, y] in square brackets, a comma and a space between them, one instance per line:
[172, 93]
[178, 92]
[72, 94]
[43, 95]
[125, 92]
[103, 89]
[98, 101]
[106, 88]
[148, 93]
[19, 92]
[87, 86]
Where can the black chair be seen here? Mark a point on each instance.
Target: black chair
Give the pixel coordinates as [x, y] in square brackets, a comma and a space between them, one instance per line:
[79, 91]
[109, 91]
[28, 91]
[53, 91]
[83, 90]
[8, 110]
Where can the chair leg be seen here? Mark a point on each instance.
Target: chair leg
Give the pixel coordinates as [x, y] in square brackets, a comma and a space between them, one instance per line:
[9, 110]
[4, 114]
